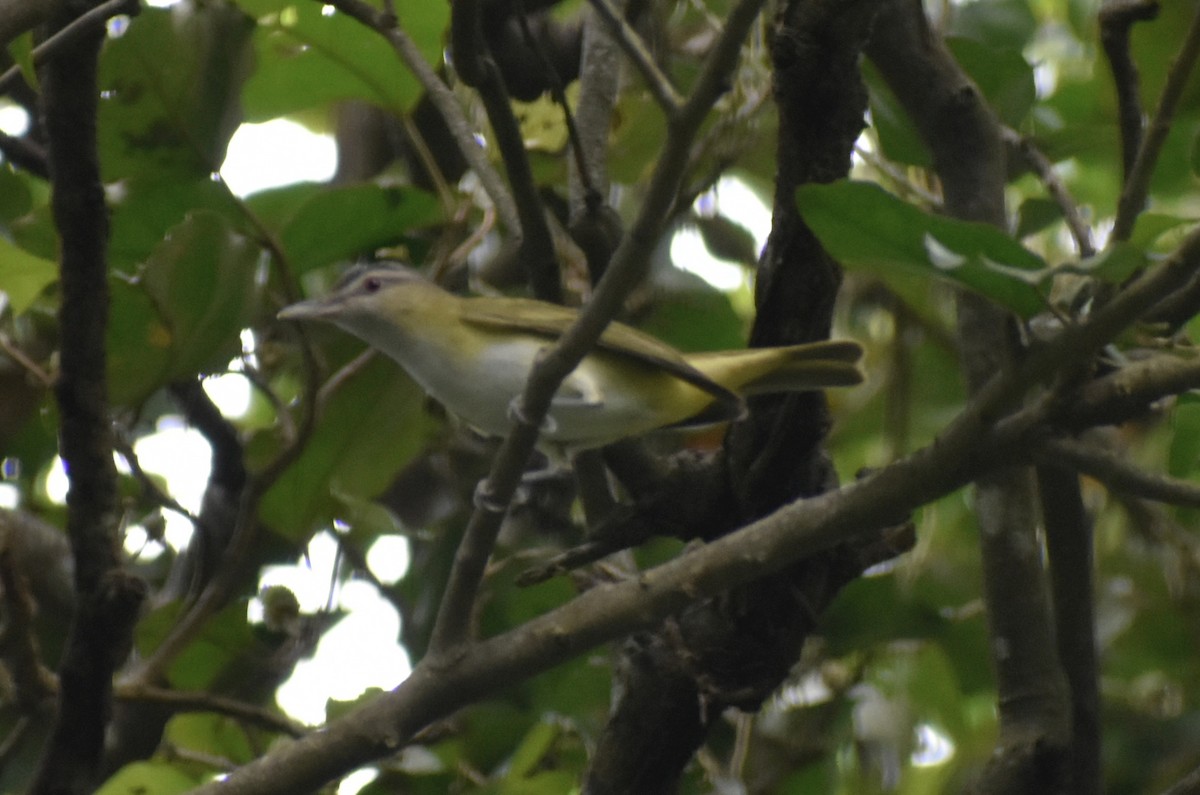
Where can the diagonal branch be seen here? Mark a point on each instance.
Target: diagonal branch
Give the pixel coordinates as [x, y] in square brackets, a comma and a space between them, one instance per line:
[1118, 473]
[659, 84]
[69, 35]
[385, 24]
[627, 268]
[1055, 187]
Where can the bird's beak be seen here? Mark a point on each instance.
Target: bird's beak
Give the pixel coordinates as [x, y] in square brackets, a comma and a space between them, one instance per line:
[313, 309]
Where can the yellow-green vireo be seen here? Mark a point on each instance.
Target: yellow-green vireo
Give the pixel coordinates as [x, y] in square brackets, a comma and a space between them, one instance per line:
[474, 355]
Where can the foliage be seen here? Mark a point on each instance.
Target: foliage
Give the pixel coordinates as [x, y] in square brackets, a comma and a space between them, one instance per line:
[198, 273]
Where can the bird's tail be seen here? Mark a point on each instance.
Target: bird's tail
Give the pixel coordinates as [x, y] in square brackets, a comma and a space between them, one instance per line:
[792, 368]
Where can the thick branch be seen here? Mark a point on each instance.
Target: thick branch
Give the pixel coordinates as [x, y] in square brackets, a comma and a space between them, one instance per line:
[964, 137]
[108, 599]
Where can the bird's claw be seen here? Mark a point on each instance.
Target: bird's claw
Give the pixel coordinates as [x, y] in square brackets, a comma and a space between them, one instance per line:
[516, 413]
[486, 500]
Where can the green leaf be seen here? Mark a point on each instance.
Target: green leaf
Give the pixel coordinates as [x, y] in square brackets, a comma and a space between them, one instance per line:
[1149, 227]
[23, 276]
[865, 228]
[899, 140]
[1184, 453]
[308, 58]
[160, 778]
[1115, 264]
[274, 207]
[211, 734]
[16, 198]
[1035, 214]
[1006, 23]
[343, 222]
[20, 50]
[532, 748]
[368, 520]
[202, 278]
[143, 211]
[691, 314]
[371, 427]
[1002, 74]
[221, 643]
[169, 91]
[727, 239]
[138, 343]
[638, 129]
[183, 315]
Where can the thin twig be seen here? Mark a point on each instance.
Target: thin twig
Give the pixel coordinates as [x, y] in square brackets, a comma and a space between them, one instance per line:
[70, 34]
[1137, 184]
[348, 371]
[659, 84]
[160, 497]
[1118, 473]
[17, 355]
[25, 154]
[1055, 187]
[190, 701]
[32, 681]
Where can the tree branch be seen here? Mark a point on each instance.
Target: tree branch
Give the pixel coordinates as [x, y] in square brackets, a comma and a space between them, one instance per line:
[964, 137]
[1068, 533]
[184, 701]
[81, 27]
[108, 598]
[1118, 473]
[1137, 182]
[1116, 19]
[1067, 205]
[444, 100]
[659, 84]
[474, 63]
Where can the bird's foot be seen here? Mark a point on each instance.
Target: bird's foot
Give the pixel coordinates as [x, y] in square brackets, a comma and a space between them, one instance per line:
[486, 500]
[516, 413]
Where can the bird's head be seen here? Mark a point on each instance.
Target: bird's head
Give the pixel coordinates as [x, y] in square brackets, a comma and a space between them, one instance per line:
[378, 303]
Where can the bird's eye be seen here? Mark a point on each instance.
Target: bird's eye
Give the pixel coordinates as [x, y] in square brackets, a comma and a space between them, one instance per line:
[372, 285]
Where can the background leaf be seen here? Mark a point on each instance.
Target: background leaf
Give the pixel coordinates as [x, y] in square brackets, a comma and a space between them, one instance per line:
[865, 228]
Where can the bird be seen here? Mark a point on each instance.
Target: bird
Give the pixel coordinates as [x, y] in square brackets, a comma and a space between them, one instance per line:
[473, 354]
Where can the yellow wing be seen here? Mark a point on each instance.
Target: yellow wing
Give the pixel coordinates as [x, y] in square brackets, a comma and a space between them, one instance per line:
[550, 321]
